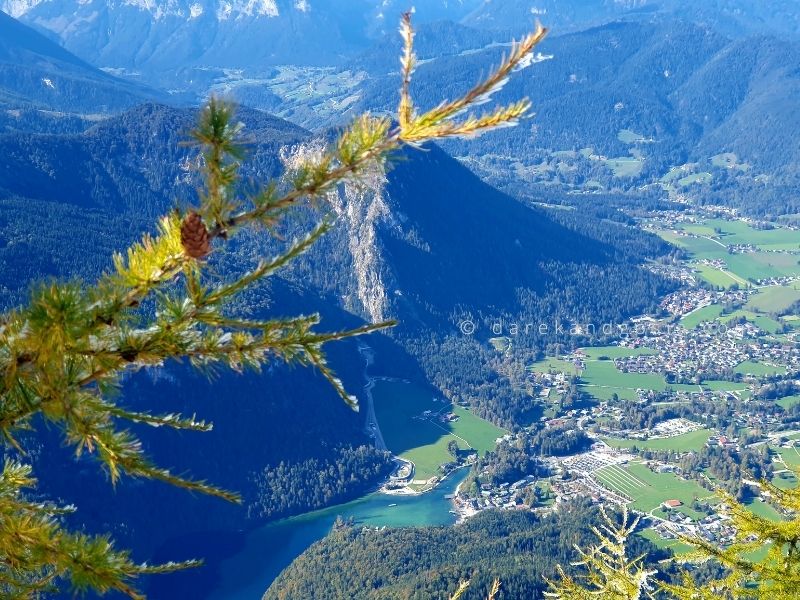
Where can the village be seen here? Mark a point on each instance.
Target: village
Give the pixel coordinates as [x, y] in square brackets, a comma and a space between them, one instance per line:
[707, 347]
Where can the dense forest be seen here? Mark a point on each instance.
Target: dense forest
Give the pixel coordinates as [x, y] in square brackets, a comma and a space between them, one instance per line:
[37, 73]
[514, 458]
[523, 265]
[421, 563]
[84, 195]
[291, 488]
[688, 92]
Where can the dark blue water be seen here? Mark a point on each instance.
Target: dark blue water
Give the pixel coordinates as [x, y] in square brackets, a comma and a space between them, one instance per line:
[241, 565]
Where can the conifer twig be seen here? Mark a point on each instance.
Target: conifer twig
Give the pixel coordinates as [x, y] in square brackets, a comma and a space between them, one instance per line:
[64, 354]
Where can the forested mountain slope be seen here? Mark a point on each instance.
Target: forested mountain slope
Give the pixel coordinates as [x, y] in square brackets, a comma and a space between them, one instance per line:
[621, 105]
[417, 563]
[71, 207]
[152, 38]
[438, 245]
[735, 17]
[37, 72]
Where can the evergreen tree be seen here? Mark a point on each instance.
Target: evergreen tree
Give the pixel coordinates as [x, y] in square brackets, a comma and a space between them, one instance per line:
[610, 573]
[752, 573]
[464, 586]
[63, 355]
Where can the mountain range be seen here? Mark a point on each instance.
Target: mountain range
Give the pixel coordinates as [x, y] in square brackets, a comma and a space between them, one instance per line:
[35, 72]
[91, 158]
[168, 35]
[734, 17]
[443, 244]
[618, 106]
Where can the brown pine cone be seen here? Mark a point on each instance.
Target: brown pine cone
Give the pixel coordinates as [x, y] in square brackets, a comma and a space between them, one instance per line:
[194, 236]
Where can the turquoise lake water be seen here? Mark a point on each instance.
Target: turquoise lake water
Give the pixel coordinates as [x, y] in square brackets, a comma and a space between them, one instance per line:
[241, 565]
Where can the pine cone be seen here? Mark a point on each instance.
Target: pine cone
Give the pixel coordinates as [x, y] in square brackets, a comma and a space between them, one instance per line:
[194, 236]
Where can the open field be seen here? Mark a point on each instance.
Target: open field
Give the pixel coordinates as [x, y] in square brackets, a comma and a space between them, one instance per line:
[699, 247]
[788, 401]
[607, 393]
[624, 166]
[556, 365]
[684, 387]
[676, 546]
[775, 299]
[724, 386]
[695, 178]
[707, 313]
[501, 344]
[739, 232]
[761, 321]
[729, 160]
[479, 433]
[424, 441]
[677, 172]
[759, 369]
[757, 265]
[648, 489]
[791, 456]
[718, 278]
[762, 509]
[698, 229]
[694, 440]
[626, 136]
[604, 374]
[427, 458]
[602, 379]
[784, 480]
[596, 352]
[771, 259]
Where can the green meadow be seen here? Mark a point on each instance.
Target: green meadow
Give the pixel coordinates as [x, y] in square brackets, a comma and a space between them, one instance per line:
[684, 387]
[788, 402]
[557, 365]
[715, 235]
[739, 232]
[648, 490]
[695, 178]
[791, 456]
[763, 509]
[676, 546]
[775, 299]
[700, 315]
[761, 321]
[596, 352]
[626, 136]
[479, 433]
[759, 369]
[606, 374]
[717, 278]
[602, 380]
[694, 440]
[424, 442]
[625, 166]
[784, 480]
[740, 389]
[729, 160]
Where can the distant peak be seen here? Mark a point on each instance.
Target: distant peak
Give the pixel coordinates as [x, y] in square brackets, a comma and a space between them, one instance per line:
[159, 9]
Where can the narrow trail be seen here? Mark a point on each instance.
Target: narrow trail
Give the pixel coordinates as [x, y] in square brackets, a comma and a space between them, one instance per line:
[710, 239]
